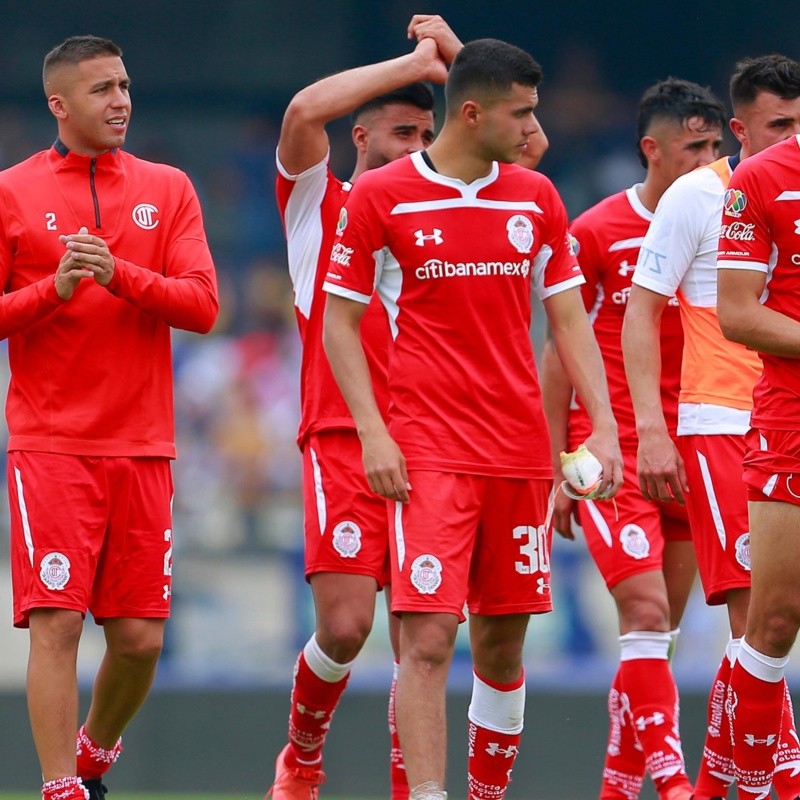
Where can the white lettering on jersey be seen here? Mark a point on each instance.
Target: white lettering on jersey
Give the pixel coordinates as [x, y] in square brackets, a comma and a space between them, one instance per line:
[341, 254]
[651, 260]
[435, 237]
[739, 231]
[436, 268]
[50, 220]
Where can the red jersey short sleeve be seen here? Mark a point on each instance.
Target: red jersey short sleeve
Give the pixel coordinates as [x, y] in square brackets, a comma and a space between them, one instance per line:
[760, 226]
[454, 265]
[608, 237]
[310, 204]
[93, 375]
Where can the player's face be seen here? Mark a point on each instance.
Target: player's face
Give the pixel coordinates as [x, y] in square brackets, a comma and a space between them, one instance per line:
[92, 104]
[506, 124]
[395, 131]
[682, 148]
[767, 121]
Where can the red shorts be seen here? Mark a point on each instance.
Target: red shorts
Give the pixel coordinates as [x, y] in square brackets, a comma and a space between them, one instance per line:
[717, 504]
[629, 539]
[346, 526]
[475, 539]
[772, 466]
[90, 533]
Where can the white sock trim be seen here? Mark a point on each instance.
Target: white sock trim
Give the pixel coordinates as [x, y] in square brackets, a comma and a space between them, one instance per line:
[323, 666]
[501, 712]
[765, 668]
[644, 644]
[732, 649]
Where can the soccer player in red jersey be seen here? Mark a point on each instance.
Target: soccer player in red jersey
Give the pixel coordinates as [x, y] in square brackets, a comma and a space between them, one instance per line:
[346, 526]
[452, 239]
[679, 258]
[101, 254]
[643, 549]
[759, 307]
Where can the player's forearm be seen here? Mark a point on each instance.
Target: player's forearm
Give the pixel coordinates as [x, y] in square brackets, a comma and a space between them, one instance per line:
[342, 341]
[186, 299]
[580, 356]
[28, 305]
[641, 350]
[556, 396]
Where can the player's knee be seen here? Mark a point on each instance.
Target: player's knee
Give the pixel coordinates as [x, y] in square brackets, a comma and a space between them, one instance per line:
[430, 649]
[343, 636]
[55, 629]
[779, 628]
[140, 646]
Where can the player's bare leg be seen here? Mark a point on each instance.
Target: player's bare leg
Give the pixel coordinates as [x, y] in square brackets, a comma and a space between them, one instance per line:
[756, 694]
[497, 706]
[53, 688]
[345, 607]
[679, 565]
[426, 650]
[646, 678]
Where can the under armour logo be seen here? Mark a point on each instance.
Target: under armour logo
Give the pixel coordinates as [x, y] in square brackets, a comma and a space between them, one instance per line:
[768, 740]
[542, 586]
[435, 237]
[301, 709]
[494, 749]
[656, 718]
[167, 592]
[625, 268]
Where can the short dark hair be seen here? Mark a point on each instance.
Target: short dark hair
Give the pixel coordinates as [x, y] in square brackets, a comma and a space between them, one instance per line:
[676, 100]
[76, 49]
[414, 94]
[774, 73]
[489, 66]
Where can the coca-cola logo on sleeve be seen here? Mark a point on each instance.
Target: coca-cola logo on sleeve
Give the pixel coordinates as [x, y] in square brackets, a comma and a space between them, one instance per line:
[739, 231]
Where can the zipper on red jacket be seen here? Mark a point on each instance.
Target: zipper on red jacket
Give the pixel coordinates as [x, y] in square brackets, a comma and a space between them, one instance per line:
[96, 202]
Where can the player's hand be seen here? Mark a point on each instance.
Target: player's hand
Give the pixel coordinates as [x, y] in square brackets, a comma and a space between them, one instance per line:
[69, 273]
[604, 446]
[385, 466]
[432, 26]
[92, 253]
[662, 475]
[563, 509]
[431, 64]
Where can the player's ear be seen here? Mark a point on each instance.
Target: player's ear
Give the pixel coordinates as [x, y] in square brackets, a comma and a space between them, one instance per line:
[56, 105]
[739, 129]
[649, 146]
[360, 136]
[471, 112]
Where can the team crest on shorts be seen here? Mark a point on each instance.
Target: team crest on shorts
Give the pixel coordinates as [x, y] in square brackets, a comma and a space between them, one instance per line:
[347, 539]
[743, 551]
[54, 571]
[426, 574]
[520, 233]
[634, 542]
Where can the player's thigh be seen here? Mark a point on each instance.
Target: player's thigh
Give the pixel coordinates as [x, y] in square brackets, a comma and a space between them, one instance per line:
[346, 527]
[58, 517]
[624, 536]
[717, 506]
[432, 540]
[134, 577]
[510, 569]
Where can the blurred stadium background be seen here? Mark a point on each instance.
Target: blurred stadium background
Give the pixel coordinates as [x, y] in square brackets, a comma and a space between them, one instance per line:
[210, 81]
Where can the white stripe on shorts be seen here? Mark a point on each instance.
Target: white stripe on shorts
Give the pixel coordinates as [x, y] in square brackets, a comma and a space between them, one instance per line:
[716, 514]
[399, 536]
[23, 512]
[322, 509]
[599, 521]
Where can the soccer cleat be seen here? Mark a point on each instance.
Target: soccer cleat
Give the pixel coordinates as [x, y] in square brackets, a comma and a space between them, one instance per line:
[96, 789]
[295, 783]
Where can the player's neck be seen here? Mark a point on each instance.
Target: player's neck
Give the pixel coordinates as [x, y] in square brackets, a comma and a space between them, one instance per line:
[452, 159]
[650, 191]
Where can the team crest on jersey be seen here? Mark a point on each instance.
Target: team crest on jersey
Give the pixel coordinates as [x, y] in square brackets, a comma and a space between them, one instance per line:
[634, 541]
[54, 571]
[145, 216]
[341, 223]
[520, 233]
[426, 574]
[735, 202]
[347, 539]
[743, 551]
